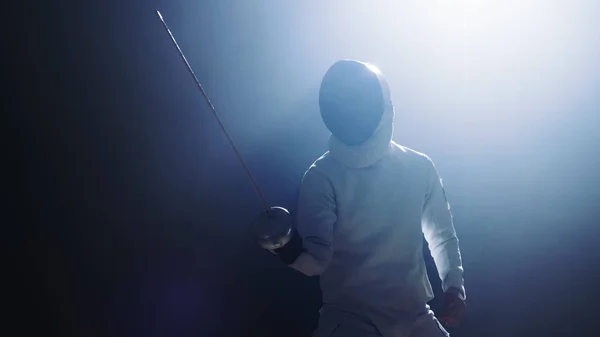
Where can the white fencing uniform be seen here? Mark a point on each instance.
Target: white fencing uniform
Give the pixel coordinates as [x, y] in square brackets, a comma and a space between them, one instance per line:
[363, 229]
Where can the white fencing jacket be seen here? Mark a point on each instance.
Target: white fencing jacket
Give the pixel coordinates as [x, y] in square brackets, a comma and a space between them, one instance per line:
[362, 214]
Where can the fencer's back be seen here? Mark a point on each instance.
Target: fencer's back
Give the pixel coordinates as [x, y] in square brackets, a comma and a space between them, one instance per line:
[377, 261]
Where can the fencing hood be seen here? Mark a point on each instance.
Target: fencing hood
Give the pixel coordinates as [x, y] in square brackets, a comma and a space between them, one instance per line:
[355, 105]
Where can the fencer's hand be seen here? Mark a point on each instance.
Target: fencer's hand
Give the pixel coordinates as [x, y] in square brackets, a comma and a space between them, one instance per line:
[453, 307]
[290, 252]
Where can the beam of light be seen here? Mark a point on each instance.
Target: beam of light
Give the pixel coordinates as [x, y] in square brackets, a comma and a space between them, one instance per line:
[479, 79]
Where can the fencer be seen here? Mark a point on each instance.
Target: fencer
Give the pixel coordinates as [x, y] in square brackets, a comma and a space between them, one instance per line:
[363, 209]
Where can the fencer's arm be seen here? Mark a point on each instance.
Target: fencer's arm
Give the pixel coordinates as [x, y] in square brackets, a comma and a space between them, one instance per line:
[440, 233]
[316, 216]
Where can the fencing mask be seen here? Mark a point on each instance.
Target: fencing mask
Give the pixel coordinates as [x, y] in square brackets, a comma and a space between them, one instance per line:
[352, 99]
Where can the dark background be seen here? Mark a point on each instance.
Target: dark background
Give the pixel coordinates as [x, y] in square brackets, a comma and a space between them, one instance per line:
[135, 210]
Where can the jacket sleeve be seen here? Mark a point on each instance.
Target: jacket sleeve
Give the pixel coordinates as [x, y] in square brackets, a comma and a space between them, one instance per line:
[440, 233]
[316, 216]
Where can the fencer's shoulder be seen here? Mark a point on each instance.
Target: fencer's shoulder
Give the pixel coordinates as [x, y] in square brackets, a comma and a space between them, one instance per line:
[323, 163]
[323, 166]
[409, 154]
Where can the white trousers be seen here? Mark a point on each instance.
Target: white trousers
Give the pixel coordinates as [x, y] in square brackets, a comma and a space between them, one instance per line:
[334, 322]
